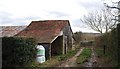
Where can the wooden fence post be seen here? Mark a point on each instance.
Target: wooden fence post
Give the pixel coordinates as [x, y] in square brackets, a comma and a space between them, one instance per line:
[104, 48]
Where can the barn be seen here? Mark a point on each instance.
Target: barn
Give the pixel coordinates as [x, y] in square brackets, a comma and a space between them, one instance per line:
[10, 31]
[55, 36]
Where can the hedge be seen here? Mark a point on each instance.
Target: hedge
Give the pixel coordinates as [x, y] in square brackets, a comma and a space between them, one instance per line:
[118, 40]
[110, 41]
[17, 52]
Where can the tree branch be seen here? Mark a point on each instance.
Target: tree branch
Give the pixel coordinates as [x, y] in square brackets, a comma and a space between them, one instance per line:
[113, 7]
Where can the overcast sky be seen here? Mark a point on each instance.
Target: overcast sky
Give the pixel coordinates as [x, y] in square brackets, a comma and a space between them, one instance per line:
[22, 12]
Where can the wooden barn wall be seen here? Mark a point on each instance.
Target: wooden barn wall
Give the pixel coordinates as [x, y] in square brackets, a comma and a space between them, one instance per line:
[67, 32]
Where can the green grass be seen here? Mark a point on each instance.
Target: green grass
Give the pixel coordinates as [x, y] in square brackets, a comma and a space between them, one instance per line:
[55, 60]
[66, 56]
[86, 53]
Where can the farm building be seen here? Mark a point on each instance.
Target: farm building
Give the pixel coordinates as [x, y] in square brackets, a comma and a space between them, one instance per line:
[9, 31]
[55, 36]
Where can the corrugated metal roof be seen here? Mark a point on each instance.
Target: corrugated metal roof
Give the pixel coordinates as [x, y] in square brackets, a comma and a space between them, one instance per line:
[10, 30]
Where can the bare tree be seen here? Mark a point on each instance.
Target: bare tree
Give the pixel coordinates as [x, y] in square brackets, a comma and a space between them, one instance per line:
[99, 20]
[116, 8]
[115, 5]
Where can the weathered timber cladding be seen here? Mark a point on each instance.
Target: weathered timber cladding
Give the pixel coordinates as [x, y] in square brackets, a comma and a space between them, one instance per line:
[68, 33]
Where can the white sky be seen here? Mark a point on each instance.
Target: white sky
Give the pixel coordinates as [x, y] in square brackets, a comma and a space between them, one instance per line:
[22, 12]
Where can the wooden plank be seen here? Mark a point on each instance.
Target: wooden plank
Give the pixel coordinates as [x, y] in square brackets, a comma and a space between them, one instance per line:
[50, 51]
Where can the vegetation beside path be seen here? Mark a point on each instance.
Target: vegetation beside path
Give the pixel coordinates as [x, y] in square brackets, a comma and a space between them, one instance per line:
[107, 59]
[56, 60]
[83, 57]
[106, 47]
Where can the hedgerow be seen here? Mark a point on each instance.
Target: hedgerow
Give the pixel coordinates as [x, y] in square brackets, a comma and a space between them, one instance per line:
[17, 52]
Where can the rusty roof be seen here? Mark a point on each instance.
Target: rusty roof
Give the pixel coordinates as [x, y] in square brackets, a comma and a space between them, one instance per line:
[44, 31]
[10, 30]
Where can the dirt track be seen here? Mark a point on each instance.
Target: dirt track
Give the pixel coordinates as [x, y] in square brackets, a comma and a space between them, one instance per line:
[71, 62]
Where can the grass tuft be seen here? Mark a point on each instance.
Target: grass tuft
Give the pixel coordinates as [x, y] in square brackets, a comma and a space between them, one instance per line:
[86, 53]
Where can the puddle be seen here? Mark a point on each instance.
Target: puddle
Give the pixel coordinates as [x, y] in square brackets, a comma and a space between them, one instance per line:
[92, 62]
[88, 64]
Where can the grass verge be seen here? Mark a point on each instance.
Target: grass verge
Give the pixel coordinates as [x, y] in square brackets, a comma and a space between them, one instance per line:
[55, 60]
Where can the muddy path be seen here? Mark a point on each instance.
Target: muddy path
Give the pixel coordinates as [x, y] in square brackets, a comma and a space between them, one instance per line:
[72, 61]
[92, 61]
